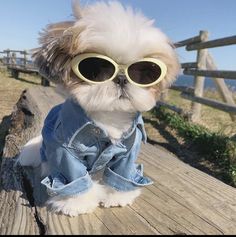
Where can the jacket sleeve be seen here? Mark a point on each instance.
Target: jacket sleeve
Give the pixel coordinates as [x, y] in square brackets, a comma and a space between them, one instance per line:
[123, 174]
[67, 174]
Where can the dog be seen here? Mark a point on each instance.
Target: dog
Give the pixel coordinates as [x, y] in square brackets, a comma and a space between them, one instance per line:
[115, 64]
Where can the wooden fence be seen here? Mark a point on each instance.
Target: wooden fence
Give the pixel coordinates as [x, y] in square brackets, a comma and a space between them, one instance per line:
[17, 58]
[204, 67]
[21, 63]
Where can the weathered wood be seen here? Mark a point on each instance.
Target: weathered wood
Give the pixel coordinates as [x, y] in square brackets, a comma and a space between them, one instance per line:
[15, 51]
[223, 89]
[17, 216]
[182, 89]
[199, 80]
[44, 82]
[11, 61]
[171, 107]
[22, 69]
[213, 43]
[212, 103]
[182, 200]
[25, 58]
[189, 65]
[189, 41]
[210, 73]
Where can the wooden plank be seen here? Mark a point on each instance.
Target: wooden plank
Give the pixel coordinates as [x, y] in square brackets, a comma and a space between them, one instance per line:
[213, 43]
[23, 70]
[199, 80]
[182, 89]
[211, 203]
[190, 65]
[17, 216]
[211, 73]
[223, 89]
[171, 107]
[212, 103]
[189, 41]
[16, 51]
[182, 200]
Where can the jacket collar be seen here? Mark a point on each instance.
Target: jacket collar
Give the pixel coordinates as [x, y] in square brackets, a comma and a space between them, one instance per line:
[73, 118]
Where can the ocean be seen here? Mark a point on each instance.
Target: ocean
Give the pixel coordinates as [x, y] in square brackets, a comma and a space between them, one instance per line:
[184, 80]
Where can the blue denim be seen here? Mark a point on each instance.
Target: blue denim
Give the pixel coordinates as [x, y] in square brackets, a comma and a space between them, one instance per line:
[74, 148]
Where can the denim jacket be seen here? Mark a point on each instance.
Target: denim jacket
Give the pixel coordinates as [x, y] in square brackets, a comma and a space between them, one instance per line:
[74, 148]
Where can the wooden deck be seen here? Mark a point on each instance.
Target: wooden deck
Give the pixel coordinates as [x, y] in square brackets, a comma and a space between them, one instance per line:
[182, 200]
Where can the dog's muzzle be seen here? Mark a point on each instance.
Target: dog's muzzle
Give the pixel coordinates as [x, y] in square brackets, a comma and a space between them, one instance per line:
[121, 80]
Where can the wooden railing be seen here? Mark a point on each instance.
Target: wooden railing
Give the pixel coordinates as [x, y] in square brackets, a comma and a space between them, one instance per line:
[11, 59]
[205, 67]
[20, 64]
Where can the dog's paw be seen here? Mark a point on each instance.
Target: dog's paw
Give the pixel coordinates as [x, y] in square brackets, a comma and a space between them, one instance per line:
[78, 204]
[119, 199]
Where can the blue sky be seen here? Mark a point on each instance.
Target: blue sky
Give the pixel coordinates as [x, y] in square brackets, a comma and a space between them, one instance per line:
[22, 20]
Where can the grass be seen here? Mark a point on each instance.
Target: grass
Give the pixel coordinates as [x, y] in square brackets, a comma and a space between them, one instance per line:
[213, 119]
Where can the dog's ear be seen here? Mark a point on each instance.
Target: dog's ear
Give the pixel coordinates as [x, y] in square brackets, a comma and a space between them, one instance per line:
[77, 9]
[57, 42]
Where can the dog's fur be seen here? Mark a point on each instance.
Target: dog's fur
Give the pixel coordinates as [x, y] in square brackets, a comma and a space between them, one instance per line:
[125, 36]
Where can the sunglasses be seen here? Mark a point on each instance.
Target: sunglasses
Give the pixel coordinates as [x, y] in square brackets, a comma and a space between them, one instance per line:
[96, 69]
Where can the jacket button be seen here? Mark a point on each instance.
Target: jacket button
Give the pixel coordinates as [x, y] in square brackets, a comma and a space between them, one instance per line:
[97, 131]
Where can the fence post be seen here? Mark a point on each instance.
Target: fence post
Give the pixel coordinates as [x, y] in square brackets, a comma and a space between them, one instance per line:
[199, 80]
[25, 58]
[164, 95]
[44, 82]
[224, 91]
[13, 59]
[8, 56]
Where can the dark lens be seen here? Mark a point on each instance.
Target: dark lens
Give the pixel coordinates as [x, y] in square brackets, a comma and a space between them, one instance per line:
[144, 73]
[96, 69]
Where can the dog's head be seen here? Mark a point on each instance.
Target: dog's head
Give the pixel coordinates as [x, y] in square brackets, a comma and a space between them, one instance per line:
[118, 33]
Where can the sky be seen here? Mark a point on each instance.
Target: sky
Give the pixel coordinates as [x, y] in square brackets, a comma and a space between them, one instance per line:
[22, 20]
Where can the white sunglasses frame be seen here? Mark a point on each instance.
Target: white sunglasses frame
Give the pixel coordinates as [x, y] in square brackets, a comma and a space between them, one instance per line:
[118, 68]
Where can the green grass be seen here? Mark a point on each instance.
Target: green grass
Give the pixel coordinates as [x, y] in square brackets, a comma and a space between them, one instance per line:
[213, 119]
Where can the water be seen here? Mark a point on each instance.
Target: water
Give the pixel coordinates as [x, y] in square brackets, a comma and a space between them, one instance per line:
[185, 80]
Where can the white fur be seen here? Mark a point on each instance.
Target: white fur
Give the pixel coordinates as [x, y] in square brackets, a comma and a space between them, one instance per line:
[125, 36]
[78, 204]
[30, 154]
[98, 195]
[114, 123]
[106, 98]
[115, 198]
[118, 32]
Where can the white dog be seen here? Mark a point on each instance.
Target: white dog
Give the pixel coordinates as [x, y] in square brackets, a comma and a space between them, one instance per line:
[115, 63]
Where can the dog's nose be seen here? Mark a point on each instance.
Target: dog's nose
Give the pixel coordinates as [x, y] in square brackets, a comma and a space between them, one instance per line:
[121, 80]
